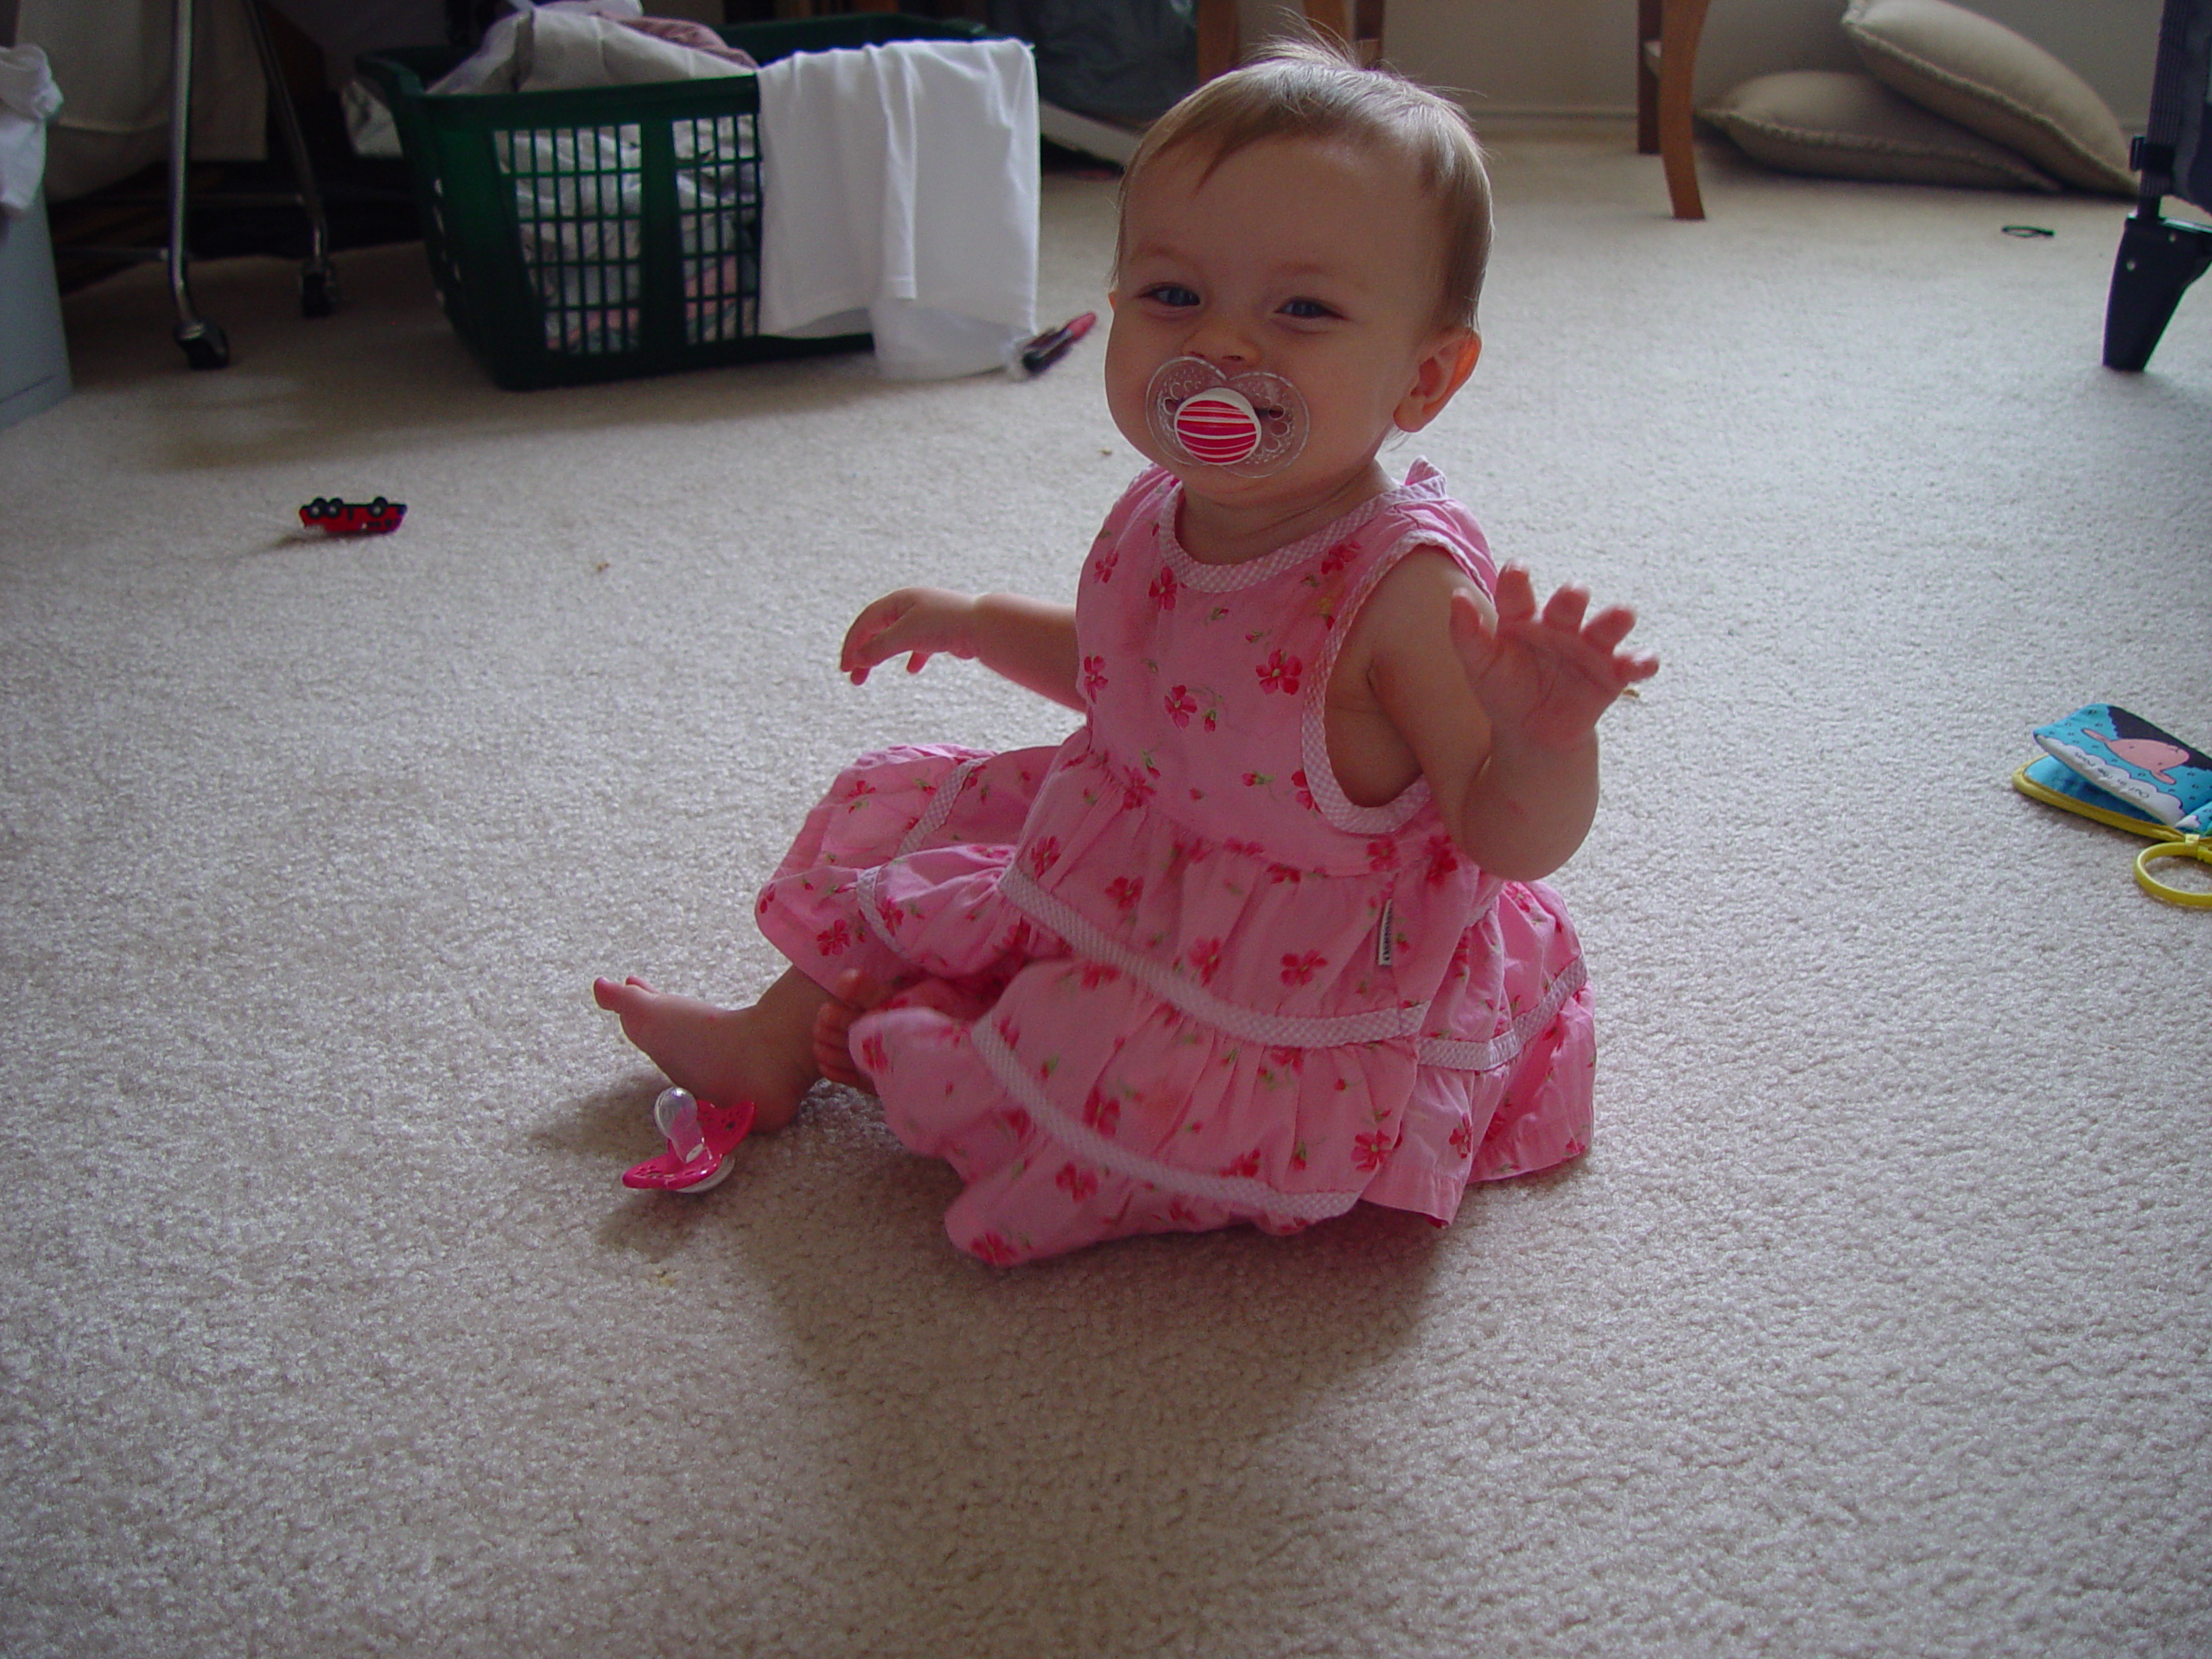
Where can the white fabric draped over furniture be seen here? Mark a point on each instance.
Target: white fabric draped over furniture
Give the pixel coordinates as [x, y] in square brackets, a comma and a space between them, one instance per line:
[112, 62]
[898, 195]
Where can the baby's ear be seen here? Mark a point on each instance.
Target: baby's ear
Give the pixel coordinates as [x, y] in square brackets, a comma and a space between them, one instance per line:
[1450, 359]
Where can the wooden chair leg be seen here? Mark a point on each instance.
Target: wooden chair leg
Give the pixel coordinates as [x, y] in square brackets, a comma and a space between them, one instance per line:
[1681, 22]
[1367, 27]
[1358, 23]
[1646, 77]
[1331, 17]
[1217, 42]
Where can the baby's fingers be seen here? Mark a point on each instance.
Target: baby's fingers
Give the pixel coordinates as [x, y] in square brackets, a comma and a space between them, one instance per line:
[1609, 627]
[1516, 598]
[1565, 608]
[1604, 633]
[863, 647]
[903, 622]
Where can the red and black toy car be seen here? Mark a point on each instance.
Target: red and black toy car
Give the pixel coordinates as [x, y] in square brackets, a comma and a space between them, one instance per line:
[336, 518]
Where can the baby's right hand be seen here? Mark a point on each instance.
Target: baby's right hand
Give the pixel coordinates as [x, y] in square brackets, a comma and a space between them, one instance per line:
[920, 621]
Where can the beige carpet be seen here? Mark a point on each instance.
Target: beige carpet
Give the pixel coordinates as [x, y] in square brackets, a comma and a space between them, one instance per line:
[1876, 1323]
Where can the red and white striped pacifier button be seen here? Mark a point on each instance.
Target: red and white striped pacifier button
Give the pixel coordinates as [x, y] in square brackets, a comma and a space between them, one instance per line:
[1218, 428]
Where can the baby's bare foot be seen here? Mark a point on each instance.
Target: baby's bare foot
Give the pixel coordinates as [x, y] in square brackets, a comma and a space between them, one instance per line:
[725, 1055]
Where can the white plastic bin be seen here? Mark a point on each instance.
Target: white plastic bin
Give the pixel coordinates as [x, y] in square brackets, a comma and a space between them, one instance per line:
[34, 356]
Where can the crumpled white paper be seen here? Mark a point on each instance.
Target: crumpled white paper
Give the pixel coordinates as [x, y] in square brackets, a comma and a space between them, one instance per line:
[29, 99]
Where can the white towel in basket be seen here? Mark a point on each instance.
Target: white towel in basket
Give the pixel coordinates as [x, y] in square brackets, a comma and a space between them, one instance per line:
[899, 193]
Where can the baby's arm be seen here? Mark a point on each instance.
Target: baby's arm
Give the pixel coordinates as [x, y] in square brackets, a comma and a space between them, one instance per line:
[1500, 706]
[1025, 640]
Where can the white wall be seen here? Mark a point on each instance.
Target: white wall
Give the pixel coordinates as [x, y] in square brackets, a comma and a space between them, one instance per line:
[1576, 58]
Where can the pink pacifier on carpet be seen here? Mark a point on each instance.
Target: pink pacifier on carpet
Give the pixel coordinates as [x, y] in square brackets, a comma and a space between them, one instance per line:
[700, 1137]
[1250, 425]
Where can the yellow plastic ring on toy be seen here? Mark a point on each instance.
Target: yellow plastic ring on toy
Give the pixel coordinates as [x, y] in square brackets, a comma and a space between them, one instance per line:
[2197, 847]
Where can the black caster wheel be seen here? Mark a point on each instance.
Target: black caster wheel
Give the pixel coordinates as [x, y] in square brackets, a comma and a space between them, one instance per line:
[318, 290]
[206, 345]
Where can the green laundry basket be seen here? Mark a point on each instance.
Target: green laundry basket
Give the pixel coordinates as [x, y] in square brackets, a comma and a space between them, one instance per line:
[612, 233]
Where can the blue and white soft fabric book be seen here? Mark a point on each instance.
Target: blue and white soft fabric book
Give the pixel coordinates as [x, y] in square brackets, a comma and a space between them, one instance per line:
[2124, 765]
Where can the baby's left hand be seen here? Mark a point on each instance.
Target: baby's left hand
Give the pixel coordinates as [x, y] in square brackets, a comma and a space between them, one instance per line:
[1546, 677]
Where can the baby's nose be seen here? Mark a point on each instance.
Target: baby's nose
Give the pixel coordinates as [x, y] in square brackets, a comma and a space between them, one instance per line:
[1222, 343]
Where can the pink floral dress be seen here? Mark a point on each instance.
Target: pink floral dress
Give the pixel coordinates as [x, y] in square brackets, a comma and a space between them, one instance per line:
[1167, 976]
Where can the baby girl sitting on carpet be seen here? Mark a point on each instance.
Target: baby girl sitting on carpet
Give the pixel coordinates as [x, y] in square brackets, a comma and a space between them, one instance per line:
[1265, 937]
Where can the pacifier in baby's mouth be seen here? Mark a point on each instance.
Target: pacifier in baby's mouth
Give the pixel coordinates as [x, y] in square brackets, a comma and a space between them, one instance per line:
[1250, 425]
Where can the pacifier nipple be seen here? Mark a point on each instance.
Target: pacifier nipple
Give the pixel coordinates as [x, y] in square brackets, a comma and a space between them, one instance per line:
[1250, 425]
[675, 1113]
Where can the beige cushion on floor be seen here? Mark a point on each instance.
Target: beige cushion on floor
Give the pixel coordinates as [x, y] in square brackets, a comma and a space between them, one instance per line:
[2002, 85]
[1851, 126]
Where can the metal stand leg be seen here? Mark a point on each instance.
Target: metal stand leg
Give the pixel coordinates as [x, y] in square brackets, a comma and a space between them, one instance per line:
[318, 280]
[205, 345]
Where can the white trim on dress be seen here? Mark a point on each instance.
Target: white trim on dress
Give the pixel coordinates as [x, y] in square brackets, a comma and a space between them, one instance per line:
[866, 896]
[1321, 782]
[1087, 940]
[1249, 573]
[940, 806]
[865, 901]
[1238, 1192]
[1451, 1054]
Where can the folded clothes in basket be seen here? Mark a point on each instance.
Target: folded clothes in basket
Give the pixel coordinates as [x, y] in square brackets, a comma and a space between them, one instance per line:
[562, 46]
[567, 44]
[578, 204]
[579, 211]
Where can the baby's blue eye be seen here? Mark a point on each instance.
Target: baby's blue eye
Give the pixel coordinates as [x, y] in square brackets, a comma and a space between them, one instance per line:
[1170, 294]
[1307, 310]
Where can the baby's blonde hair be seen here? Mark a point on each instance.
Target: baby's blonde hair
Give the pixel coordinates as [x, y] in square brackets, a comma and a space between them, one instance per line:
[1309, 88]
